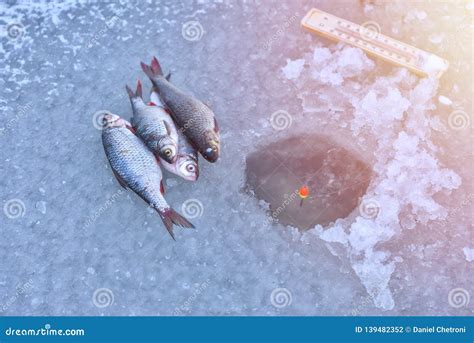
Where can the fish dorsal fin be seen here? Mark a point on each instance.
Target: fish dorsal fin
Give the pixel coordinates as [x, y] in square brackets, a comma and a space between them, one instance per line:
[168, 77]
[216, 126]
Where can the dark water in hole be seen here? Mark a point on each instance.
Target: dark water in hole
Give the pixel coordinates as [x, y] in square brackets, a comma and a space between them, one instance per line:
[336, 179]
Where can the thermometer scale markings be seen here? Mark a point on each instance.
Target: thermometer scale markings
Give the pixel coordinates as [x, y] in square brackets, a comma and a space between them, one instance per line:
[389, 49]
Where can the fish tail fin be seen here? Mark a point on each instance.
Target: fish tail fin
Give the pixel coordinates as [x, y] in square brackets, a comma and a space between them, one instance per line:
[130, 92]
[138, 92]
[170, 217]
[135, 97]
[153, 70]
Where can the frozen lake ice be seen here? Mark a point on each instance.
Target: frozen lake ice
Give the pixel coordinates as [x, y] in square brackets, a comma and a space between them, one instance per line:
[74, 243]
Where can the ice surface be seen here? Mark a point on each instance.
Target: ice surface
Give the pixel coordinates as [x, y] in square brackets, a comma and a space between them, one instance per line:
[74, 243]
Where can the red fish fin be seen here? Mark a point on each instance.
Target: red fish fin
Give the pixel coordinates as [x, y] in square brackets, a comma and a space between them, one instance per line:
[132, 129]
[216, 126]
[129, 91]
[170, 217]
[119, 179]
[153, 70]
[151, 103]
[162, 187]
[138, 92]
[155, 66]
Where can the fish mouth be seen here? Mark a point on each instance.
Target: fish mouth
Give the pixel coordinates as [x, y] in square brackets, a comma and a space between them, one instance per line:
[211, 155]
[191, 178]
[110, 120]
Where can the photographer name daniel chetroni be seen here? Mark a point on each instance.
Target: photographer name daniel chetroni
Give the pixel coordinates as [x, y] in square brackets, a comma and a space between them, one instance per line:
[438, 329]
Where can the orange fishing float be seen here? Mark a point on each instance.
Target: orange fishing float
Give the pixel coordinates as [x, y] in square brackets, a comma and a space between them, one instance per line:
[303, 192]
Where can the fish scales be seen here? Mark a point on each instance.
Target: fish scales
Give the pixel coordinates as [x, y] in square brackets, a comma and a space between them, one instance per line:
[135, 164]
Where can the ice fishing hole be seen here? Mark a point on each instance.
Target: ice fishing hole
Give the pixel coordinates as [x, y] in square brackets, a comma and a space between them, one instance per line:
[335, 176]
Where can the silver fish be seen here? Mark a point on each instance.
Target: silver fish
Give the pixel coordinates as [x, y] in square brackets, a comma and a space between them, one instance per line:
[135, 167]
[154, 126]
[186, 164]
[192, 116]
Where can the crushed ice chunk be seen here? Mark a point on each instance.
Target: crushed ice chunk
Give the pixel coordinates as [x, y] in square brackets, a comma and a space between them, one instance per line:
[436, 38]
[415, 15]
[41, 206]
[445, 100]
[334, 234]
[293, 69]
[469, 253]
[345, 63]
[321, 55]
[379, 109]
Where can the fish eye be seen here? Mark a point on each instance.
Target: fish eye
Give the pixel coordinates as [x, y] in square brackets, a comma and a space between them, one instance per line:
[168, 152]
[190, 168]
